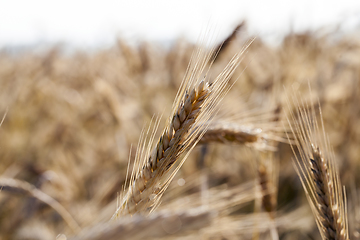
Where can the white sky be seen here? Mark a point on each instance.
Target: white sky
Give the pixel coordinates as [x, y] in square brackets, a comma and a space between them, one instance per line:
[93, 23]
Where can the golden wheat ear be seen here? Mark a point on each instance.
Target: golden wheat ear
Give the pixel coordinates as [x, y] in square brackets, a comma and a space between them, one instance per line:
[258, 128]
[192, 110]
[316, 167]
[259, 138]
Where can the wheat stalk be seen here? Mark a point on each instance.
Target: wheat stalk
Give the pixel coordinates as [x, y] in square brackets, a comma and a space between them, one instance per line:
[193, 107]
[36, 193]
[318, 173]
[4, 116]
[356, 208]
[267, 182]
[162, 224]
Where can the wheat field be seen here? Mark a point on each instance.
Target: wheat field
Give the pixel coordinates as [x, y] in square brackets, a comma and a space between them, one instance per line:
[93, 144]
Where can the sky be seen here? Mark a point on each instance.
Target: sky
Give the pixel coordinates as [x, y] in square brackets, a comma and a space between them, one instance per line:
[94, 22]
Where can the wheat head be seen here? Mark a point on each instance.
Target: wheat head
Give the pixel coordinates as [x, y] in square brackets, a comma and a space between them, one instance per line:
[315, 165]
[192, 110]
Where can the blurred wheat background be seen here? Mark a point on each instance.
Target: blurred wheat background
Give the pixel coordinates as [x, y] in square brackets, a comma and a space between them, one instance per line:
[73, 121]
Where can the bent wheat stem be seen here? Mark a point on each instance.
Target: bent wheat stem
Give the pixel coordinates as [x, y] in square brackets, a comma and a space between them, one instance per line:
[33, 191]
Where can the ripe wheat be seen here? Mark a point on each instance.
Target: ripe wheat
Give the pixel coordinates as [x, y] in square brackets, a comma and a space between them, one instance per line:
[193, 107]
[319, 176]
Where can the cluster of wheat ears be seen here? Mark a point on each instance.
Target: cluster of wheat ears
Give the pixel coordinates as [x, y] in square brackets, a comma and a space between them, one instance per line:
[197, 119]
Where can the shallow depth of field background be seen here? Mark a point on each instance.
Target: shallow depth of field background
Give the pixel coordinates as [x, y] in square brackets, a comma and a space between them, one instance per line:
[88, 24]
[79, 81]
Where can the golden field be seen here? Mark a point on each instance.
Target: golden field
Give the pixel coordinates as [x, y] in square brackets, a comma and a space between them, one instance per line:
[73, 121]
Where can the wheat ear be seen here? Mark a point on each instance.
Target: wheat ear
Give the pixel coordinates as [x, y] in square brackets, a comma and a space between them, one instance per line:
[246, 130]
[226, 133]
[319, 176]
[194, 105]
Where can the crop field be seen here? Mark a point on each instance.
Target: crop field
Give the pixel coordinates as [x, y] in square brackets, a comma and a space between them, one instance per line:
[239, 140]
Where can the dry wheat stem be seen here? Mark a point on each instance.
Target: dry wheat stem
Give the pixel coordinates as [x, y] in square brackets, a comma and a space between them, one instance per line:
[356, 208]
[33, 191]
[221, 199]
[268, 191]
[232, 227]
[3, 118]
[193, 107]
[161, 224]
[267, 175]
[318, 173]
